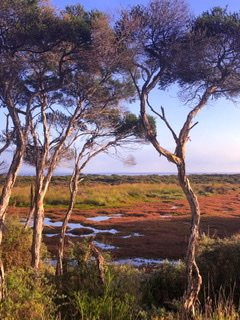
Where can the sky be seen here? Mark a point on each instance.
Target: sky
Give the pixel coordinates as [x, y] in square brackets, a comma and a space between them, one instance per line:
[215, 142]
[111, 6]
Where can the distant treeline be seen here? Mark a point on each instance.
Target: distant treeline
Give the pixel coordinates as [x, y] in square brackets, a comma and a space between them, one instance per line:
[115, 179]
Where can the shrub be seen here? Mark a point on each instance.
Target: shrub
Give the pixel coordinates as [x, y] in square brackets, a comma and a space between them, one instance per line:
[28, 297]
[219, 261]
[86, 297]
[16, 245]
[164, 286]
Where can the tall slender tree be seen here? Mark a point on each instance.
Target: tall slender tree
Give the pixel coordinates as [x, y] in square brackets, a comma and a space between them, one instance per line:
[89, 89]
[112, 130]
[23, 25]
[163, 47]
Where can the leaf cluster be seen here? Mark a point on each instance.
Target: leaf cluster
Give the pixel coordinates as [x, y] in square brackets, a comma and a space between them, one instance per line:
[210, 53]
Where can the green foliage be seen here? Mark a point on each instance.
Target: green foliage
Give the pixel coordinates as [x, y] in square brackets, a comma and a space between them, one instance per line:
[219, 260]
[223, 180]
[29, 296]
[128, 293]
[16, 245]
[88, 298]
[29, 23]
[107, 306]
[210, 54]
[217, 21]
[164, 285]
[131, 124]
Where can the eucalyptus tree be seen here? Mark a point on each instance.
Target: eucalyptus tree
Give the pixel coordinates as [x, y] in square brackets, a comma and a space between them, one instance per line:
[26, 27]
[209, 67]
[14, 96]
[67, 113]
[112, 129]
[164, 46]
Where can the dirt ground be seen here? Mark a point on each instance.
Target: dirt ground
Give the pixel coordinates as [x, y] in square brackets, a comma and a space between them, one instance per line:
[161, 229]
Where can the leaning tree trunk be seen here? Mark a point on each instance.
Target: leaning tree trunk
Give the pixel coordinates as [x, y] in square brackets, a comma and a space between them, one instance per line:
[194, 279]
[4, 202]
[29, 217]
[8, 186]
[31, 208]
[73, 194]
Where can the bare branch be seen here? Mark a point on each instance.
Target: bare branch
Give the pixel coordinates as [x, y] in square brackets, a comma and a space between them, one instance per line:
[193, 125]
[164, 119]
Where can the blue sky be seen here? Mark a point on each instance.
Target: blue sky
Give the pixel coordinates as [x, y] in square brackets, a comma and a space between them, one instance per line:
[112, 5]
[215, 141]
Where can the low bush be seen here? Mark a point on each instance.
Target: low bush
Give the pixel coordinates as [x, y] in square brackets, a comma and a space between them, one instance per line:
[164, 286]
[16, 245]
[88, 298]
[28, 296]
[219, 261]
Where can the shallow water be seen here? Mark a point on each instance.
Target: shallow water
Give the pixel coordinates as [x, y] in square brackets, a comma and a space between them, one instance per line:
[99, 218]
[94, 230]
[166, 215]
[135, 262]
[135, 234]
[138, 262]
[104, 218]
[74, 225]
[104, 246]
[49, 222]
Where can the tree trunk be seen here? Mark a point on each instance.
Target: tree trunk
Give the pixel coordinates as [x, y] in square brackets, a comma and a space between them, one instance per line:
[73, 194]
[8, 185]
[194, 279]
[37, 231]
[29, 217]
[4, 201]
[31, 209]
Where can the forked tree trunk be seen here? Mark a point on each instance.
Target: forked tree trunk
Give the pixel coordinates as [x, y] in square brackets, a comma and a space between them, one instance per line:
[4, 202]
[193, 275]
[42, 183]
[73, 194]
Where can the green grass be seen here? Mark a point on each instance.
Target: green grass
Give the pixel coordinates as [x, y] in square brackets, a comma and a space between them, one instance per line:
[115, 191]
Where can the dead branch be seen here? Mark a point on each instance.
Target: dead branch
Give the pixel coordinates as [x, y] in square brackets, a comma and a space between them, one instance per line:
[100, 261]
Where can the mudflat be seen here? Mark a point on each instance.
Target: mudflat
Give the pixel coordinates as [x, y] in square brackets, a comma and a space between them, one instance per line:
[155, 230]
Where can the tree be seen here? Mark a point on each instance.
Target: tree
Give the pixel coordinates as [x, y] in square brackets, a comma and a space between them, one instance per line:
[23, 25]
[209, 67]
[111, 130]
[72, 110]
[162, 50]
[204, 60]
